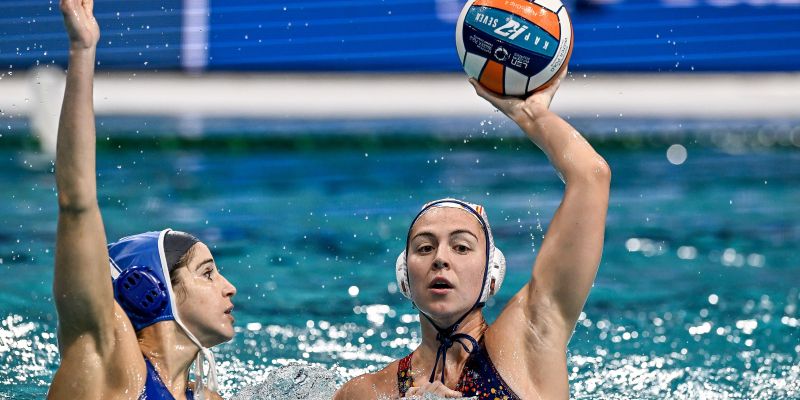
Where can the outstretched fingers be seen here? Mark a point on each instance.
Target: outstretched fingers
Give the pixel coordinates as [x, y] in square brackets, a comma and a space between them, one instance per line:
[545, 96]
[80, 23]
[514, 107]
[77, 10]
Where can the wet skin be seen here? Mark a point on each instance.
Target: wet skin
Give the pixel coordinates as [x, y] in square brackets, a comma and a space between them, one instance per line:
[528, 342]
[101, 354]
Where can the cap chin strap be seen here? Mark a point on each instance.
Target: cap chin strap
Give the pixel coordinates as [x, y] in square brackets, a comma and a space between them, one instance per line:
[204, 354]
[447, 338]
[199, 373]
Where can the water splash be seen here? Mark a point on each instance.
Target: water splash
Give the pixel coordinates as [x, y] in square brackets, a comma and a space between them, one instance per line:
[302, 381]
[296, 381]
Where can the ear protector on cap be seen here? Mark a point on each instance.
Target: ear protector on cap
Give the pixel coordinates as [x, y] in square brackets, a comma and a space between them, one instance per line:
[141, 294]
[496, 261]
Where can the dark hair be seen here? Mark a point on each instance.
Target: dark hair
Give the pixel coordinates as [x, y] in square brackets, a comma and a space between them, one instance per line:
[178, 250]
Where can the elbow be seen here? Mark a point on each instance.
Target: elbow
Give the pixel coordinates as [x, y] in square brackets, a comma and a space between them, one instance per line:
[76, 206]
[602, 172]
[77, 192]
[597, 173]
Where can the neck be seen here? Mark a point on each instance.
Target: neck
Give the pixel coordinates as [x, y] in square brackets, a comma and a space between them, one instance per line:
[425, 355]
[472, 322]
[171, 353]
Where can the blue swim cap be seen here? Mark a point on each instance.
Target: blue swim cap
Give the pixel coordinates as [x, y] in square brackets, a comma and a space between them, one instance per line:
[142, 287]
[140, 275]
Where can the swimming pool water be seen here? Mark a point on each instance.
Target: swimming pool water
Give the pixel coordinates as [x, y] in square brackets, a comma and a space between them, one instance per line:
[696, 297]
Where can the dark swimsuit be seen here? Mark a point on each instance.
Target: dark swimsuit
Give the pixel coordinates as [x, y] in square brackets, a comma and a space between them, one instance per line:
[154, 388]
[478, 378]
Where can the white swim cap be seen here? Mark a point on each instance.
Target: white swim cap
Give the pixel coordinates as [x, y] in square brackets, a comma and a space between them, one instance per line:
[495, 269]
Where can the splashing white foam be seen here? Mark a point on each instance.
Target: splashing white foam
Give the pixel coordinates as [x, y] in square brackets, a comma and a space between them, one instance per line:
[296, 381]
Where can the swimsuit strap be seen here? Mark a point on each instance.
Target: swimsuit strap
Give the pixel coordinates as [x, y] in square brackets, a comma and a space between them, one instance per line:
[405, 379]
[154, 387]
[480, 378]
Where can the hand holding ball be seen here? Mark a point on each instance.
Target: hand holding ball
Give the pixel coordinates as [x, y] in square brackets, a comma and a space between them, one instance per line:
[514, 47]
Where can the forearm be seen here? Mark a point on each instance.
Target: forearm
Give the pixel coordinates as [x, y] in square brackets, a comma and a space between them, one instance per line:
[75, 154]
[571, 155]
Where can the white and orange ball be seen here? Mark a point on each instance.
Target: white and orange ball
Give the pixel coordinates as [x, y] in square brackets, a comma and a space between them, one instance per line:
[514, 47]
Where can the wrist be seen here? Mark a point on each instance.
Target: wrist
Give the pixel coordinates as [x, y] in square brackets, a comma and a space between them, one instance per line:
[79, 49]
[530, 114]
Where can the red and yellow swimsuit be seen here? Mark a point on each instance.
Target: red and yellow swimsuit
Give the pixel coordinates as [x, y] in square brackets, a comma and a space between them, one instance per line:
[479, 378]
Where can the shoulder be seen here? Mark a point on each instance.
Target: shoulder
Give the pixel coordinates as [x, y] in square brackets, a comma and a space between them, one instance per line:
[377, 385]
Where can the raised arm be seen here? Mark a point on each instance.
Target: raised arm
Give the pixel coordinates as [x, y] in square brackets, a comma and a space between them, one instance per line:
[82, 287]
[565, 268]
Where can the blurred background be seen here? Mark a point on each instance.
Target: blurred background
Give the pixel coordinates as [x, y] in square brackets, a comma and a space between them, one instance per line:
[401, 35]
[298, 138]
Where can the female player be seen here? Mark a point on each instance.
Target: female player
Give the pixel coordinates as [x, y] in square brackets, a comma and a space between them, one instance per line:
[136, 333]
[450, 267]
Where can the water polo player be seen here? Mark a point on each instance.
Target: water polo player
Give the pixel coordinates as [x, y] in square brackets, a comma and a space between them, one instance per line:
[451, 267]
[134, 334]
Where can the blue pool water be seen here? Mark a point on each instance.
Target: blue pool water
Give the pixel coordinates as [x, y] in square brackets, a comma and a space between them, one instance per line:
[696, 297]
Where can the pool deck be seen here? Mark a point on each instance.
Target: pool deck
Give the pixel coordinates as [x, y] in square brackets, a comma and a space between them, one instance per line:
[381, 96]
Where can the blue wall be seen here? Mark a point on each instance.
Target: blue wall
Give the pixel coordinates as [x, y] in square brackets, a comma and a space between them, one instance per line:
[408, 35]
[646, 35]
[135, 34]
